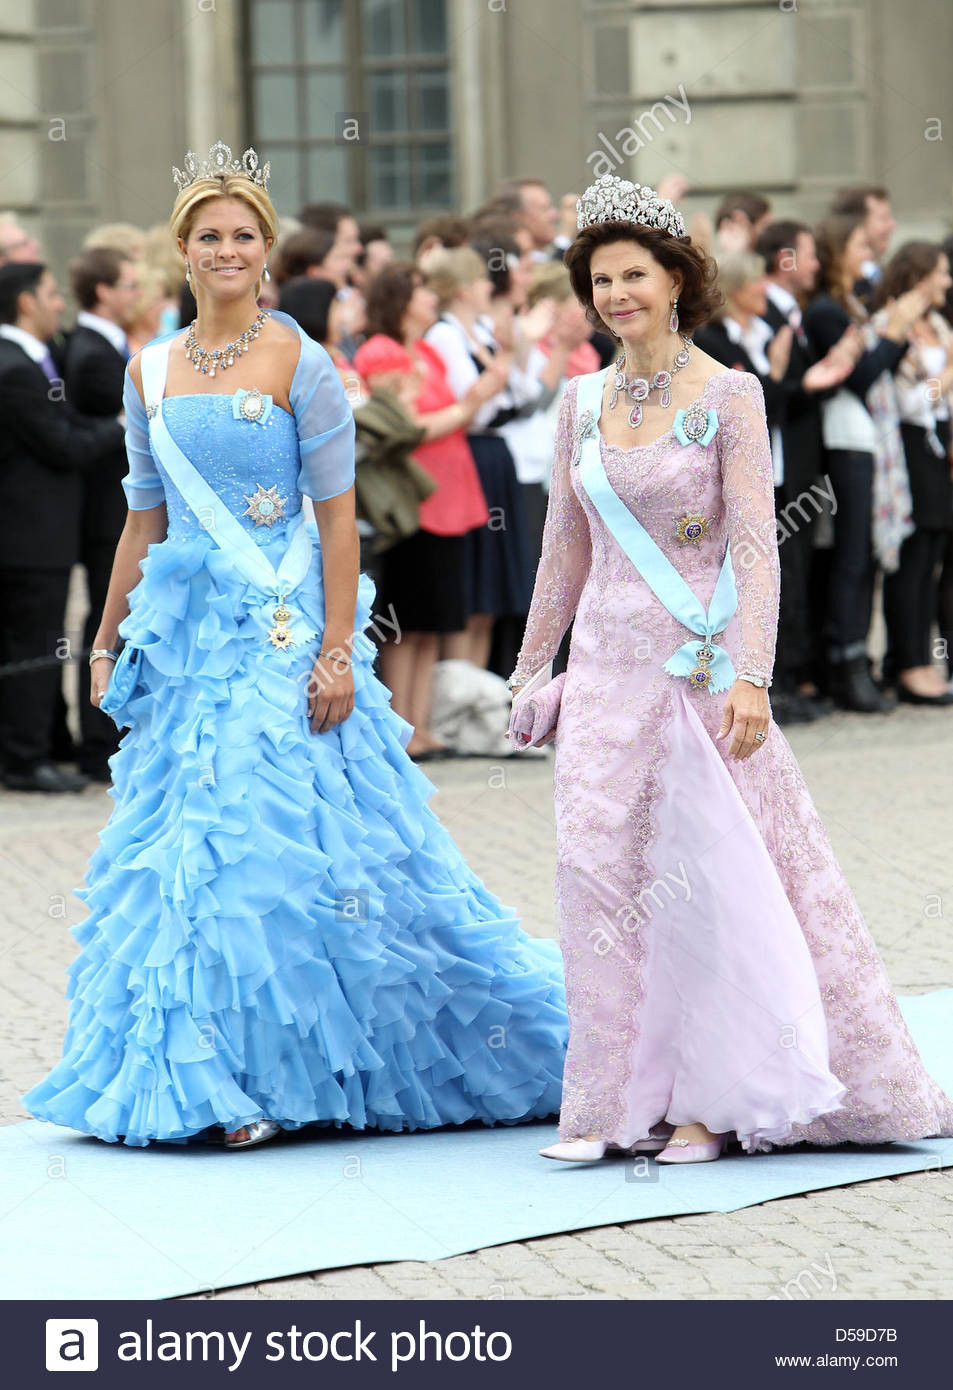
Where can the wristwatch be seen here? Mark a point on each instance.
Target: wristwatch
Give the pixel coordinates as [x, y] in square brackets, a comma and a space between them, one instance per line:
[755, 680]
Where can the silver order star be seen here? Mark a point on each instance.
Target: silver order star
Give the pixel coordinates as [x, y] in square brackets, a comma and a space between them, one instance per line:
[265, 506]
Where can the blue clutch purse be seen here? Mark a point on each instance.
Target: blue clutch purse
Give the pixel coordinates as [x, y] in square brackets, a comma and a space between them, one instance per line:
[122, 682]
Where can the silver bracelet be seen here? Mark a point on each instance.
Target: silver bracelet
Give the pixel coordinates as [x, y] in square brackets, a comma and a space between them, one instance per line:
[98, 652]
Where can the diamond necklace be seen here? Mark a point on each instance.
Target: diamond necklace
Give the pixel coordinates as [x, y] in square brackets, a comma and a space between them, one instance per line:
[217, 359]
[639, 387]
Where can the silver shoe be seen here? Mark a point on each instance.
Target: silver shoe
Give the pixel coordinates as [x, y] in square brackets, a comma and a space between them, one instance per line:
[258, 1133]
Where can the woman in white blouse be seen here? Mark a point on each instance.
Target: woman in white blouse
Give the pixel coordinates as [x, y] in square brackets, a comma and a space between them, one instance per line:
[499, 566]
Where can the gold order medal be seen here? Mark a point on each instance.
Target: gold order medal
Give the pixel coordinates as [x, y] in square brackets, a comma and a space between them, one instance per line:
[692, 527]
[701, 675]
[280, 635]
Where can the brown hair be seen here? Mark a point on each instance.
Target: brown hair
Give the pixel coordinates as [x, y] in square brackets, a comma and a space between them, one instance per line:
[907, 267]
[778, 237]
[854, 201]
[89, 270]
[493, 240]
[449, 230]
[699, 297]
[324, 217]
[831, 237]
[302, 250]
[753, 205]
[388, 294]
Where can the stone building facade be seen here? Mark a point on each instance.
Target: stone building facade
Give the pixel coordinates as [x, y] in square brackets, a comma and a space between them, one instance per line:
[404, 107]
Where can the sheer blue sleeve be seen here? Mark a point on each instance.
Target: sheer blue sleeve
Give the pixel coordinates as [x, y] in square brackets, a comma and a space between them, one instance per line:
[142, 484]
[325, 425]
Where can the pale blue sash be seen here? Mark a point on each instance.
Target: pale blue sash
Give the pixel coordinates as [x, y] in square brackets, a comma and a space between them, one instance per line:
[654, 566]
[209, 509]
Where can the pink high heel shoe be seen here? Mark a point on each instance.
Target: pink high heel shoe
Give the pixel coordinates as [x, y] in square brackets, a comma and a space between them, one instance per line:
[683, 1151]
[655, 1141]
[577, 1150]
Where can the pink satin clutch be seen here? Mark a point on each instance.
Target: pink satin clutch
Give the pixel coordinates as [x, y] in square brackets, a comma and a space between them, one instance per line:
[535, 715]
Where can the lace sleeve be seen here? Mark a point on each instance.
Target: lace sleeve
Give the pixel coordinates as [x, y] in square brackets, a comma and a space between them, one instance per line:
[566, 553]
[748, 490]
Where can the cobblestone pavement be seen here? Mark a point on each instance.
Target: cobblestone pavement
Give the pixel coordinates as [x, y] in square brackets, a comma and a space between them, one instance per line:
[882, 786]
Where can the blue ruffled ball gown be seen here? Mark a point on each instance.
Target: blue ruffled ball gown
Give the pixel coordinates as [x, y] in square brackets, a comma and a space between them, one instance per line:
[279, 927]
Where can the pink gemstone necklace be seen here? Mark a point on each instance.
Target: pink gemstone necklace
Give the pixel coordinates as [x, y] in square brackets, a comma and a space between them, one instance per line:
[639, 387]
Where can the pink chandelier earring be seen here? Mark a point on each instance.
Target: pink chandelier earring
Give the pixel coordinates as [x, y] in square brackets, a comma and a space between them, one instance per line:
[673, 317]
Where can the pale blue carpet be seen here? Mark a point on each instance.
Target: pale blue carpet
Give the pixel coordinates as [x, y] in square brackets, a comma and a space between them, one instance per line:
[83, 1218]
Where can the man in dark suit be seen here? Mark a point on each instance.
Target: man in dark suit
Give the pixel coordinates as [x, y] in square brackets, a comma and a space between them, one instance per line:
[791, 266]
[106, 289]
[44, 449]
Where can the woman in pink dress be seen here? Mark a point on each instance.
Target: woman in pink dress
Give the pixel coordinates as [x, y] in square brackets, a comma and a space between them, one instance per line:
[720, 979]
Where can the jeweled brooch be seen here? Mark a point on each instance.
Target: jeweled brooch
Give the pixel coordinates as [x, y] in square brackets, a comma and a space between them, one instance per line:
[251, 405]
[585, 426]
[696, 425]
[265, 506]
[692, 527]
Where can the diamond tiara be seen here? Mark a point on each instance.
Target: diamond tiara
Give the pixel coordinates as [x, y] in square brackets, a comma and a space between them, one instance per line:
[611, 199]
[220, 162]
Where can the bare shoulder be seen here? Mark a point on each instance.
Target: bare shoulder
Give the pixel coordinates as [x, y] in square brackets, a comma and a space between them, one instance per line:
[282, 336]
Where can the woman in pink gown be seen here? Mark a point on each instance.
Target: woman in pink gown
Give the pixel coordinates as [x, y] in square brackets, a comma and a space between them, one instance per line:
[720, 979]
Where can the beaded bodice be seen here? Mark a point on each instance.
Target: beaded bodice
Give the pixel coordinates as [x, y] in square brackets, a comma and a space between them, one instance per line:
[238, 458]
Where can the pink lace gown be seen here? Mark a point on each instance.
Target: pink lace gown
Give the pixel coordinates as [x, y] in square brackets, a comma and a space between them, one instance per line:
[717, 965]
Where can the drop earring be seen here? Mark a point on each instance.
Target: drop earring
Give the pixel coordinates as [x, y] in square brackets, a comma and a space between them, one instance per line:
[188, 275]
[673, 317]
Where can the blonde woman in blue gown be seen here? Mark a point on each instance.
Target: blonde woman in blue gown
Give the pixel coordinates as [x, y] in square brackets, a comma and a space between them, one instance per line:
[280, 931]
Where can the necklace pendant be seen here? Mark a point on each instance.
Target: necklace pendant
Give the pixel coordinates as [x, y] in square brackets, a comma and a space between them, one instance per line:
[665, 399]
[635, 416]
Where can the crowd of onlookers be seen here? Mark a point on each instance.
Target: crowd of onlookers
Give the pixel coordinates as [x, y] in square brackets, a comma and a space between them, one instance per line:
[454, 358]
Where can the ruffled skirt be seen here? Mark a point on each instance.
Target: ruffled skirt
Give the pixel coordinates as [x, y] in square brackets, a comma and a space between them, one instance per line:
[278, 925]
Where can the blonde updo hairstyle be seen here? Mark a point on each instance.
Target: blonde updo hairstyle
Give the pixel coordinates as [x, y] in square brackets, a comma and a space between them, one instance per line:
[549, 280]
[450, 271]
[253, 195]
